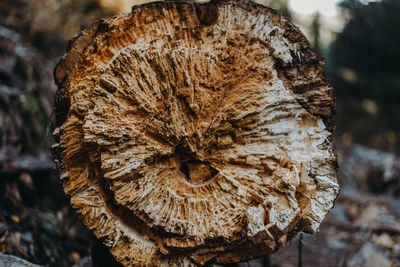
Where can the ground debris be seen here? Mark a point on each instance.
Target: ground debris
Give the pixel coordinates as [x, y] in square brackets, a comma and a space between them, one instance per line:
[12, 261]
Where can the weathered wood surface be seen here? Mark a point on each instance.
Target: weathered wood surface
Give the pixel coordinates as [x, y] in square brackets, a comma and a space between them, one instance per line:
[195, 133]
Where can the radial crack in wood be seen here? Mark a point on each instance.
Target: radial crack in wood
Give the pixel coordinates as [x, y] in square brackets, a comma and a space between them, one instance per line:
[190, 133]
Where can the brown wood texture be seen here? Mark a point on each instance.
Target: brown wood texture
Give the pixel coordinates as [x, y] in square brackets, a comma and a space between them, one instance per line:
[190, 133]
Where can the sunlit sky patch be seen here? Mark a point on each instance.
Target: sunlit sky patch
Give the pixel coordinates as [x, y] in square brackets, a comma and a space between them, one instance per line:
[325, 7]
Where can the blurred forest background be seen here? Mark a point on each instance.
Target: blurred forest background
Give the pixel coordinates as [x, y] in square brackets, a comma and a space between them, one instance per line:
[361, 48]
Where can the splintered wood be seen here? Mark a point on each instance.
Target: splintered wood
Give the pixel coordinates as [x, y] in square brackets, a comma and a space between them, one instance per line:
[190, 133]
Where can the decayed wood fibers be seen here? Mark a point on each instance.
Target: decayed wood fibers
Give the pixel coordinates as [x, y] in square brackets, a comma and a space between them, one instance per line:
[194, 133]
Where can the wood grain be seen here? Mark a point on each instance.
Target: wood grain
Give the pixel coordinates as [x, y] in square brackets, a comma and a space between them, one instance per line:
[191, 133]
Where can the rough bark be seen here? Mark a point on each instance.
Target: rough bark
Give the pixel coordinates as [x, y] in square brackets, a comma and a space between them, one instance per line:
[190, 133]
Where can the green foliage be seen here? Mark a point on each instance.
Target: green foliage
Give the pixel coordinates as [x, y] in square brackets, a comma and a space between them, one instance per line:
[364, 70]
[365, 57]
[49, 24]
[281, 5]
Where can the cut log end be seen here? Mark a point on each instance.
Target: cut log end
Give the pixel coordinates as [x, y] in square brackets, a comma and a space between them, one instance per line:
[187, 138]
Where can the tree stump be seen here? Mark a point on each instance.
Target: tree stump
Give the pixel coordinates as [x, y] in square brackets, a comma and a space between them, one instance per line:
[190, 133]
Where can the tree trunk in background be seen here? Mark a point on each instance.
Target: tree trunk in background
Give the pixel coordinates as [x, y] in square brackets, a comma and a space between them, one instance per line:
[195, 133]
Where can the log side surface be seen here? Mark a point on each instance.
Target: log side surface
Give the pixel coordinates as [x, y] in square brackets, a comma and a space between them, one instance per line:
[190, 133]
